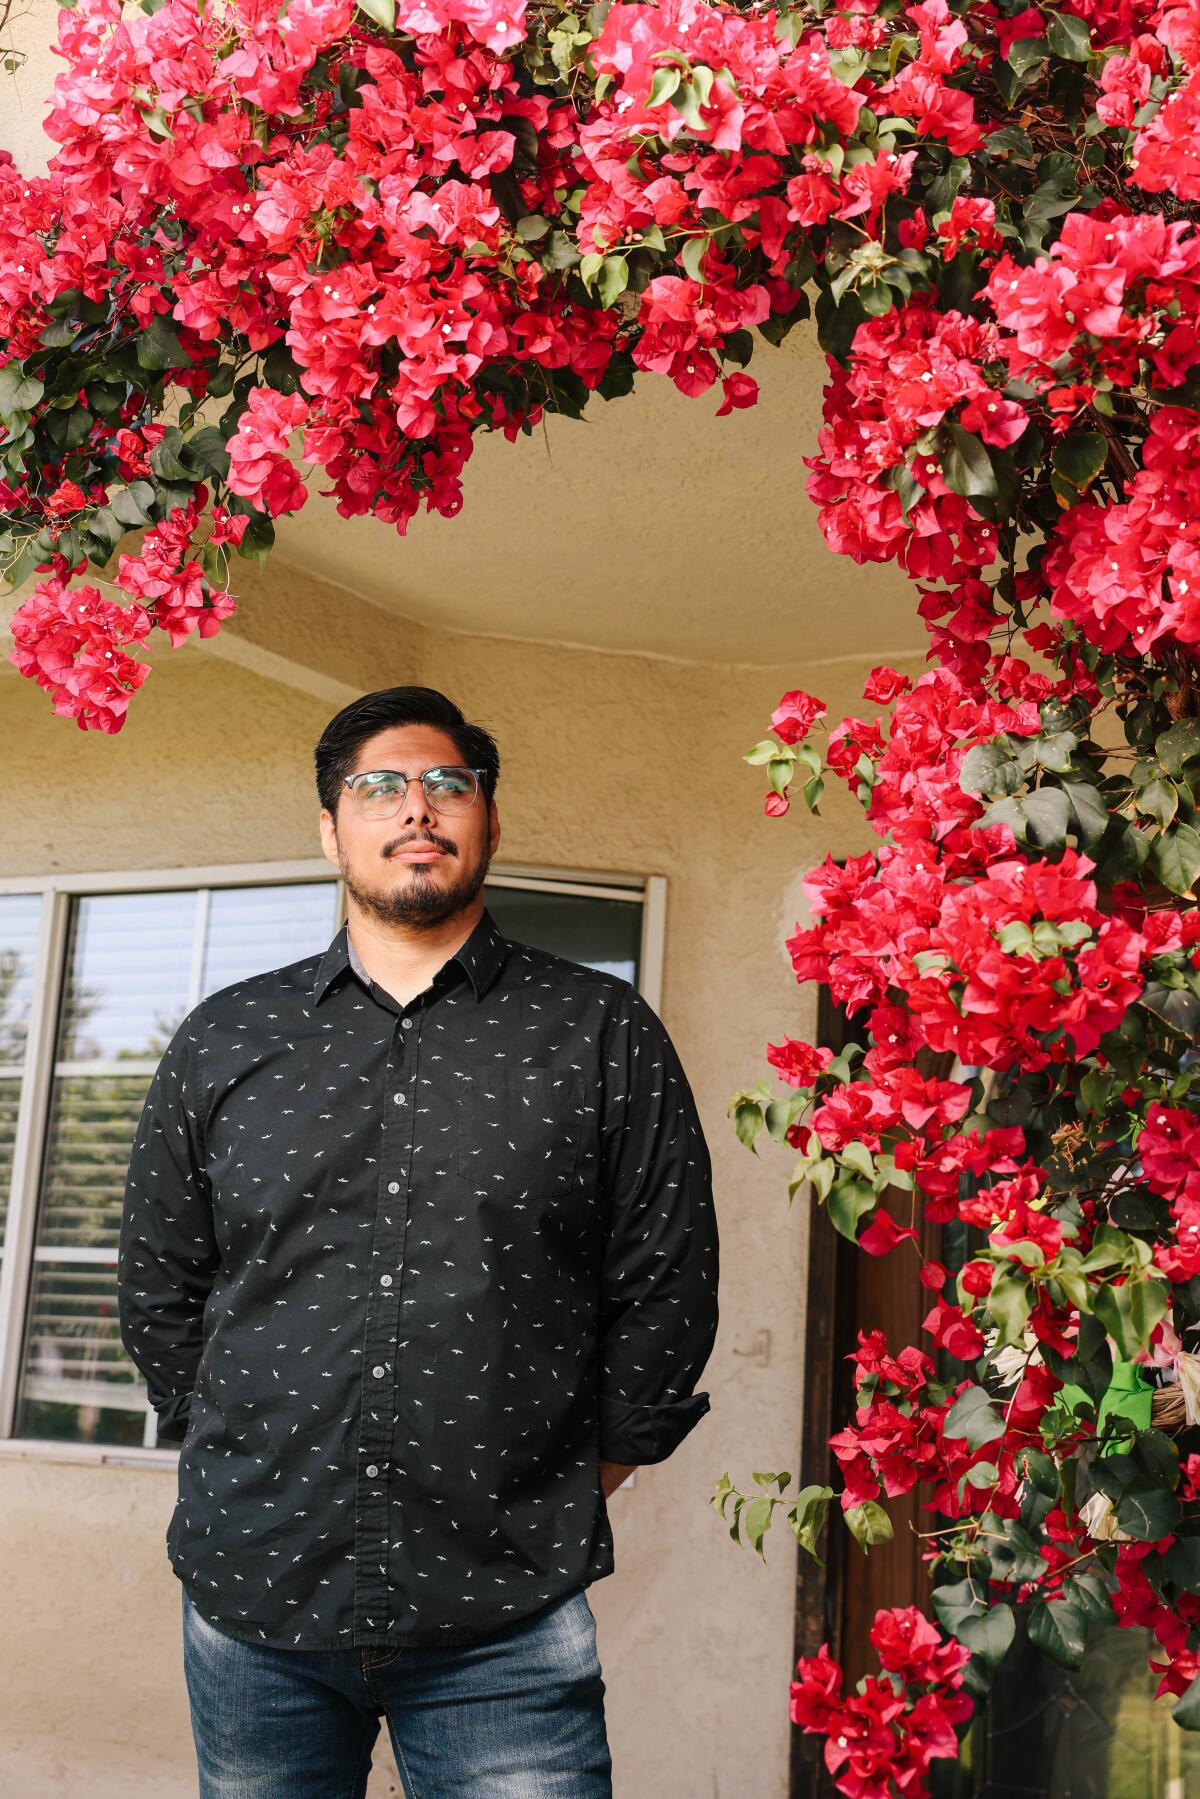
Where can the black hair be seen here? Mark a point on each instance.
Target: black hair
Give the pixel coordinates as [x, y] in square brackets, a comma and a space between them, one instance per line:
[344, 735]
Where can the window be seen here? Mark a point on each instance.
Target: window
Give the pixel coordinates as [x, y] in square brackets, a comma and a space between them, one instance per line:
[95, 976]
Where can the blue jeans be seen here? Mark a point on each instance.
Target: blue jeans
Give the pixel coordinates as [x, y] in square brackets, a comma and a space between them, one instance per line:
[517, 1716]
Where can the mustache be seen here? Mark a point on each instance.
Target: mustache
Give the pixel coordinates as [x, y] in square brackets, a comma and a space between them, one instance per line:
[436, 843]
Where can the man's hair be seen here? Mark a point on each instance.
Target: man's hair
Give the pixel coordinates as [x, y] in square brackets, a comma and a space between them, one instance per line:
[345, 734]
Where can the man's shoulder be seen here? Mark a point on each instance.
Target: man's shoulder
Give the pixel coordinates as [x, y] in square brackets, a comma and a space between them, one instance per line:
[528, 964]
[252, 996]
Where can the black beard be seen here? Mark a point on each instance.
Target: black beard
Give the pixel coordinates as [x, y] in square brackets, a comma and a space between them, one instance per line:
[422, 901]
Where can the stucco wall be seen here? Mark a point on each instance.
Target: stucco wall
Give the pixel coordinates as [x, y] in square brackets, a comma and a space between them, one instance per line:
[213, 765]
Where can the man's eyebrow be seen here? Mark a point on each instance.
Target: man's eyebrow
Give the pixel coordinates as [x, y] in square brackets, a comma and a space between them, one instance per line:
[407, 776]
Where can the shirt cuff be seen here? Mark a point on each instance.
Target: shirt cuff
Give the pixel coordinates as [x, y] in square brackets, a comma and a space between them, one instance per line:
[173, 1413]
[647, 1433]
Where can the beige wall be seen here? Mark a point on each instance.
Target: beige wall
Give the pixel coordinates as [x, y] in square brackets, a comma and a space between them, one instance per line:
[213, 765]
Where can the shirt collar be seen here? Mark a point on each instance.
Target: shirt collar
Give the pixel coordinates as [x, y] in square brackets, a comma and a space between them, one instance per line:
[481, 956]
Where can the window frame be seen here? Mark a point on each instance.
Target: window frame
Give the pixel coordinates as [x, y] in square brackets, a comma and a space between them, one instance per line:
[37, 1075]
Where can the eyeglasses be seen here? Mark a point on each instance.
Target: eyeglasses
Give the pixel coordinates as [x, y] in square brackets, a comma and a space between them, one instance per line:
[380, 792]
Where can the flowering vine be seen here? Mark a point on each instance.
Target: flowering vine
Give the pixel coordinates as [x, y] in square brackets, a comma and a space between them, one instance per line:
[331, 242]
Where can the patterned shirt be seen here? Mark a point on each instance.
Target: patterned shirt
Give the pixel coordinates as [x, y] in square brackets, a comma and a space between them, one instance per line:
[399, 1276]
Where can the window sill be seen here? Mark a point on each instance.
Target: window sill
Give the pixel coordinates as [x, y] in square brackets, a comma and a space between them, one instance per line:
[90, 1454]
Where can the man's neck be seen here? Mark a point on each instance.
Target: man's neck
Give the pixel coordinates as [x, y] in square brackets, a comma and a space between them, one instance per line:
[404, 962]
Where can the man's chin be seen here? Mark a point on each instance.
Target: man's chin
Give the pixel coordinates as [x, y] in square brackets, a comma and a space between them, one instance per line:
[418, 896]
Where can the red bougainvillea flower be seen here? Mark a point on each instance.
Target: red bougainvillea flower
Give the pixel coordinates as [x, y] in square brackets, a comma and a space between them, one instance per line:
[796, 714]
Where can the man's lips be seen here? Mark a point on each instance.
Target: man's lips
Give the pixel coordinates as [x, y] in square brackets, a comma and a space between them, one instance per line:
[420, 852]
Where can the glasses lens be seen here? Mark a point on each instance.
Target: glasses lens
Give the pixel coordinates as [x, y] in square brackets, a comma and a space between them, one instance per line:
[378, 795]
[450, 789]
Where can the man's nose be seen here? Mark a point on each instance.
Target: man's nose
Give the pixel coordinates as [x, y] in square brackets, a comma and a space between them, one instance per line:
[416, 810]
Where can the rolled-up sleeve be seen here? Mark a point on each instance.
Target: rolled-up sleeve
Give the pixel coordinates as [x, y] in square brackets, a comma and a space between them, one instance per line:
[168, 1257]
[658, 1306]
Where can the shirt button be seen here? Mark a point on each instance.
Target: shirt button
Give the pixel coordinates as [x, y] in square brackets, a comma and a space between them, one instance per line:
[393, 1186]
[372, 1471]
[407, 1023]
[385, 1280]
[399, 1099]
[379, 1371]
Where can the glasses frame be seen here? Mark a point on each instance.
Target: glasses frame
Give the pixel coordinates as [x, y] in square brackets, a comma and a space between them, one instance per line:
[437, 769]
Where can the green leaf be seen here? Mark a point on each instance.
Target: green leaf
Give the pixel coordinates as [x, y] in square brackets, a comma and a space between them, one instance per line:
[974, 1417]
[990, 768]
[692, 256]
[1040, 818]
[1059, 1630]
[1182, 1563]
[1130, 1312]
[1158, 800]
[876, 298]
[1042, 1472]
[762, 752]
[165, 457]
[806, 1517]
[1178, 746]
[18, 392]
[258, 538]
[1090, 1594]
[779, 1116]
[966, 465]
[1089, 814]
[1177, 1008]
[858, 1157]
[755, 1521]
[747, 1123]
[1080, 456]
[848, 1201]
[1068, 37]
[780, 771]
[207, 451]
[987, 1631]
[131, 505]
[382, 12]
[1147, 1511]
[1175, 859]
[665, 82]
[1009, 1304]
[1017, 1556]
[1127, 852]
[1186, 1711]
[158, 348]
[612, 280]
[1055, 750]
[1025, 53]
[869, 1524]
[1095, 1089]
[157, 123]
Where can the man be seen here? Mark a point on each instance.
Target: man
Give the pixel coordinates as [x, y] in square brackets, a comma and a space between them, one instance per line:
[418, 1258]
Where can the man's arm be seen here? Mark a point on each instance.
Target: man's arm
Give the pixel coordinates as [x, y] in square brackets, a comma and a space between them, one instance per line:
[658, 1301]
[168, 1256]
[612, 1474]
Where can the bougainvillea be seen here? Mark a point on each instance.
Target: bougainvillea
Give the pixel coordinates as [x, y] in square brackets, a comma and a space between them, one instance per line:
[328, 243]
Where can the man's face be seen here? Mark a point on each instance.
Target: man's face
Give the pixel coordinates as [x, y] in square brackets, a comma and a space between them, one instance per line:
[370, 853]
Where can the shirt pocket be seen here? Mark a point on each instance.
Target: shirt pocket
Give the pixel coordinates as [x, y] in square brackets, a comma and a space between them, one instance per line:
[519, 1128]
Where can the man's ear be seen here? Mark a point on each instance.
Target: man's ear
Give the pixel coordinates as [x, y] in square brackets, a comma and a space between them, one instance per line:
[328, 831]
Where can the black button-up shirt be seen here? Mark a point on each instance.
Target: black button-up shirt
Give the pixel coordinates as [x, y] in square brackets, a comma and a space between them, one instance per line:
[399, 1276]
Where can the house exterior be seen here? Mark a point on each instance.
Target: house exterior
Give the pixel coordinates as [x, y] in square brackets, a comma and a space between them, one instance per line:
[622, 602]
